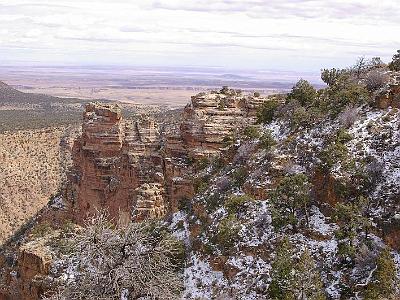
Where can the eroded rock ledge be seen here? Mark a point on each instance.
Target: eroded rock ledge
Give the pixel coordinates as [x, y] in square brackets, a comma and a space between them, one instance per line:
[132, 171]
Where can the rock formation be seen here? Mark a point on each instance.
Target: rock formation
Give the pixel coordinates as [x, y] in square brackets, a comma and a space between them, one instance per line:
[129, 170]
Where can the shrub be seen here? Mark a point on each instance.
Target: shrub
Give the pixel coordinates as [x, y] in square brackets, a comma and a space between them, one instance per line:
[251, 132]
[267, 141]
[343, 136]
[348, 116]
[345, 92]
[40, 230]
[333, 153]
[265, 113]
[290, 201]
[202, 163]
[108, 260]
[227, 140]
[395, 64]
[330, 76]
[200, 183]
[384, 282]
[376, 80]
[303, 92]
[228, 232]
[234, 203]
[239, 176]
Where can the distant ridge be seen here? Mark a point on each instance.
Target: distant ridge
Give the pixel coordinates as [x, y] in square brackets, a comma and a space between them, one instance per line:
[9, 94]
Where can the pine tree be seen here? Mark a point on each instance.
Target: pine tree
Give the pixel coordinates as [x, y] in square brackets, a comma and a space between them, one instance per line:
[308, 284]
[290, 201]
[282, 273]
[383, 284]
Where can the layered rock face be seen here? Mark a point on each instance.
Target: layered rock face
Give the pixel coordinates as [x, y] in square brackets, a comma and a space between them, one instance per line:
[208, 122]
[127, 169]
[111, 161]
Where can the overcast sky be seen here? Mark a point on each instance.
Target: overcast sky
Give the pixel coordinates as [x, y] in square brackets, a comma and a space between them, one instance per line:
[302, 35]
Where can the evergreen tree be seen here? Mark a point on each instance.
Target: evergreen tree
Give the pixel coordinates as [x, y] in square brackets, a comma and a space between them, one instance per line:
[282, 273]
[303, 92]
[395, 64]
[290, 201]
[308, 284]
[383, 284]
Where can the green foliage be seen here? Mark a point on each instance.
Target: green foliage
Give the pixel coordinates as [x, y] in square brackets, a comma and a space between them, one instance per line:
[267, 141]
[228, 232]
[308, 283]
[202, 163]
[351, 218]
[331, 76]
[290, 201]
[218, 163]
[184, 204]
[282, 277]
[251, 132]
[345, 92]
[239, 176]
[294, 280]
[303, 92]
[395, 64]
[227, 140]
[265, 113]
[256, 94]
[384, 281]
[201, 183]
[234, 203]
[343, 136]
[336, 151]
[221, 105]
[40, 230]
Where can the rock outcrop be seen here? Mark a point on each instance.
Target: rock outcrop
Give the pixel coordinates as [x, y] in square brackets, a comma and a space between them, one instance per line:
[390, 96]
[131, 171]
[112, 160]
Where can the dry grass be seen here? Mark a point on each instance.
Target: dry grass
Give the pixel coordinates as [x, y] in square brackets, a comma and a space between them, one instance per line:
[32, 168]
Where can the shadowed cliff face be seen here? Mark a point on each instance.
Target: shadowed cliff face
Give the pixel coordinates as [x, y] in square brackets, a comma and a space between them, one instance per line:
[132, 171]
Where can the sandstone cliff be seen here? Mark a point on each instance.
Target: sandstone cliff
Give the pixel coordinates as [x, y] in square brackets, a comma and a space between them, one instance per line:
[131, 171]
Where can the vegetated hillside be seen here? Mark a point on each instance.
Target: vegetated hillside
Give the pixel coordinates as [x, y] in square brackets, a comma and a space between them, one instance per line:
[304, 205]
[33, 168]
[308, 206]
[10, 95]
[19, 111]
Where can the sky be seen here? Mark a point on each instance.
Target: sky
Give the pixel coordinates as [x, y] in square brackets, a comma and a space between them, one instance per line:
[291, 35]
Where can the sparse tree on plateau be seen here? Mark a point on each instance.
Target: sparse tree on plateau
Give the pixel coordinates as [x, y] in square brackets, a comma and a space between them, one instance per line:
[360, 66]
[308, 284]
[330, 76]
[303, 92]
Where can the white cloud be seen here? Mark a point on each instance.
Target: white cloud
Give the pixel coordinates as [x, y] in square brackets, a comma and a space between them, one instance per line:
[291, 34]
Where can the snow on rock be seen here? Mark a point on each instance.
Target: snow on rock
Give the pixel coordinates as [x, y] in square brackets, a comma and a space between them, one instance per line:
[318, 222]
[376, 134]
[200, 279]
[180, 227]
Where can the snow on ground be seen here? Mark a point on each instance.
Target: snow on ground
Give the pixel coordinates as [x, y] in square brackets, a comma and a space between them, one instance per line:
[180, 227]
[318, 222]
[376, 134]
[199, 279]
